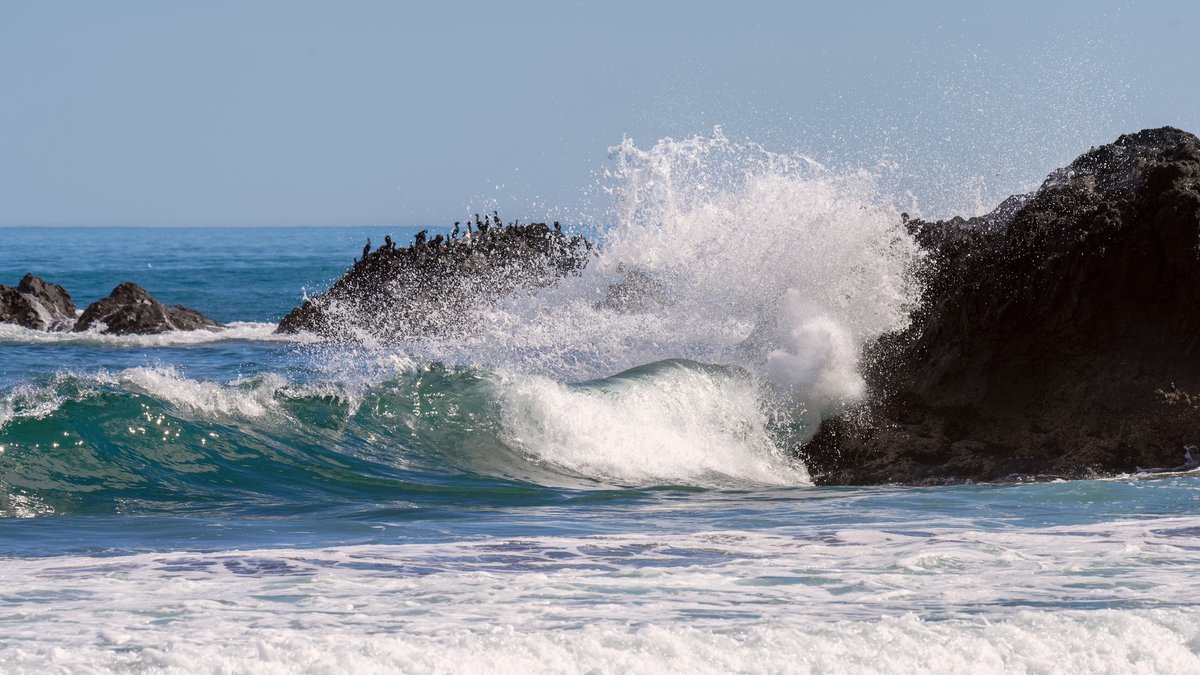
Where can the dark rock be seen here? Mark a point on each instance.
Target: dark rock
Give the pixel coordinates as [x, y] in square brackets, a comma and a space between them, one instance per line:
[130, 310]
[1058, 336]
[37, 304]
[432, 286]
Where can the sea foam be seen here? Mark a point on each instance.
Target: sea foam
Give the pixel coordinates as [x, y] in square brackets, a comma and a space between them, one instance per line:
[673, 423]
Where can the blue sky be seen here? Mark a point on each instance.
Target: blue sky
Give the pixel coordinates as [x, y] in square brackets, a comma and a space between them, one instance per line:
[360, 113]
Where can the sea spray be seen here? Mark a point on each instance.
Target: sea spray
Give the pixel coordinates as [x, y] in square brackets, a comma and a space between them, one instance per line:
[742, 256]
[775, 242]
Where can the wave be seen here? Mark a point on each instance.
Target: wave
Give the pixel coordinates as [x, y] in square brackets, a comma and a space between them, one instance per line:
[671, 421]
[153, 438]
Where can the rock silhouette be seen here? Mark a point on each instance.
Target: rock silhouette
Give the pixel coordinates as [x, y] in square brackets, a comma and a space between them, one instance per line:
[431, 286]
[1058, 335]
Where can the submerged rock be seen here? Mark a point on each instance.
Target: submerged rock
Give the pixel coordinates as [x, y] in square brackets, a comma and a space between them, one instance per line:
[130, 310]
[432, 286]
[1059, 335]
[37, 304]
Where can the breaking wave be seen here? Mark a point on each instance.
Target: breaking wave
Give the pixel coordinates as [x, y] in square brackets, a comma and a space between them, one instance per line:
[153, 438]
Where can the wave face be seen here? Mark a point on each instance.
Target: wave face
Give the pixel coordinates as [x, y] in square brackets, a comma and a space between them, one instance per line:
[151, 438]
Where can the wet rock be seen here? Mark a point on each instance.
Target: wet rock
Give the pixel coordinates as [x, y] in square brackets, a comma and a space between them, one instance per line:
[434, 285]
[130, 310]
[37, 304]
[1058, 336]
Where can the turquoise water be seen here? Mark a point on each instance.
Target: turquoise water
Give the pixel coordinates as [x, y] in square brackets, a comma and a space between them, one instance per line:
[242, 501]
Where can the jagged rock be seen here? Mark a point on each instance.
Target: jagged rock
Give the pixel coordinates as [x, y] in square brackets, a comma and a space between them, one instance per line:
[37, 304]
[1059, 335]
[130, 310]
[432, 286]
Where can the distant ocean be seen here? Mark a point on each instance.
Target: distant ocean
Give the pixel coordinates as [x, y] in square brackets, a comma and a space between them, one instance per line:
[566, 491]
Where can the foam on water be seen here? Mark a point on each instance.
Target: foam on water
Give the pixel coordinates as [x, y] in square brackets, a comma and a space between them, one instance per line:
[790, 599]
[251, 397]
[33, 400]
[237, 330]
[1100, 642]
[679, 423]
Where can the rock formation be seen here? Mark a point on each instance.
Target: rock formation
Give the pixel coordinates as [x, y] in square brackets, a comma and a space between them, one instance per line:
[431, 286]
[130, 310]
[37, 304]
[1058, 335]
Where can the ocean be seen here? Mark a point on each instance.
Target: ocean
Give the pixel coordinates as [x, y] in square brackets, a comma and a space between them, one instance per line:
[564, 490]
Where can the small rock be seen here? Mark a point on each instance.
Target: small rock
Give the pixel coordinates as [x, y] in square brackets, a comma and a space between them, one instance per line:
[130, 310]
[37, 304]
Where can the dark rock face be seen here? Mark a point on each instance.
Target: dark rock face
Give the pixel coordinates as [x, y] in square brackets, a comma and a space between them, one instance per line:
[37, 304]
[431, 286]
[130, 310]
[1059, 335]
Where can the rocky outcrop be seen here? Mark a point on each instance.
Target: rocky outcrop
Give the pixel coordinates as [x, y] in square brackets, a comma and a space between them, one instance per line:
[130, 310]
[1059, 335]
[37, 304]
[432, 285]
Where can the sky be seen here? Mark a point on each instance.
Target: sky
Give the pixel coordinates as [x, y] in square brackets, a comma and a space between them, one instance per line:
[268, 113]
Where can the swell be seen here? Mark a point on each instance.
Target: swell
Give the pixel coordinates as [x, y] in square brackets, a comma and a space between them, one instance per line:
[153, 439]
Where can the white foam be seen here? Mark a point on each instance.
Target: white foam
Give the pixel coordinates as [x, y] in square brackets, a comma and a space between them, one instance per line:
[251, 397]
[949, 598]
[1101, 642]
[34, 400]
[237, 330]
[683, 424]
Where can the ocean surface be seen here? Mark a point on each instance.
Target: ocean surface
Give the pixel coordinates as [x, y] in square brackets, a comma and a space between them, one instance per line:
[566, 491]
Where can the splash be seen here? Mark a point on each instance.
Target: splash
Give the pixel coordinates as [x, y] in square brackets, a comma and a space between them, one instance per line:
[719, 252]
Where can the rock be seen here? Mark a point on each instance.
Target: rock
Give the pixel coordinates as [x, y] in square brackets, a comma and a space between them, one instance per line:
[130, 310]
[1058, 335]
[433, 286]
[37, 304]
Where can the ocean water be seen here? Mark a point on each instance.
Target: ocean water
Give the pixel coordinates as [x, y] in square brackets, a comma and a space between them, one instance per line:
[567, 489]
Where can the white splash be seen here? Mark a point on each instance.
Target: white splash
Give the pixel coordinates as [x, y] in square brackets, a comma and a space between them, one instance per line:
[753, 258]
[679, 425]
[815, 262]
